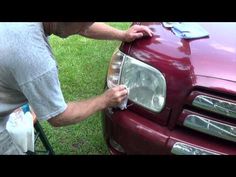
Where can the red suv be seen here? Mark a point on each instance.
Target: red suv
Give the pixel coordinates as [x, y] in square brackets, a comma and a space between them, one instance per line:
[182, 93]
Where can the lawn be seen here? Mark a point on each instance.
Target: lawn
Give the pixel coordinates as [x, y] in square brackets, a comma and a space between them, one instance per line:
[83, 66]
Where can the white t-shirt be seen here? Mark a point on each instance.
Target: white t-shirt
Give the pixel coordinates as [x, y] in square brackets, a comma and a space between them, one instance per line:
[28, 72]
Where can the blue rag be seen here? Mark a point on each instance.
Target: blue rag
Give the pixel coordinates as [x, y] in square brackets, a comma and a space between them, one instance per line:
[189, 30]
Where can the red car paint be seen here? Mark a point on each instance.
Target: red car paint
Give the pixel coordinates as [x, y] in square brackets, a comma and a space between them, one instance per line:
[191, 67]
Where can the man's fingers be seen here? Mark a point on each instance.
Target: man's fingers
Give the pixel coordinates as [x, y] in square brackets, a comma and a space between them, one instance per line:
[150, 32]
[144, 29]
[122, 98]
[123, 92]
[138, 35]
[119, 87]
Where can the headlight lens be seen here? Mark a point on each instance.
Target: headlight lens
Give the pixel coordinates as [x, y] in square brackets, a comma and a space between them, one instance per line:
[147, 86]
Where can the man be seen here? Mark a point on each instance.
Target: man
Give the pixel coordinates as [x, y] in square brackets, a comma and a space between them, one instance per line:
[28, 73]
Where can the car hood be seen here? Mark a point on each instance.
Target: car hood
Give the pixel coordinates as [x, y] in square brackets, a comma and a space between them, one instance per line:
[213, 56]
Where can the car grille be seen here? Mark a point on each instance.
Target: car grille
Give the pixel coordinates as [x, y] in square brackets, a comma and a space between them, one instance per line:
[225, 108]
[212, 115]
[186, 149]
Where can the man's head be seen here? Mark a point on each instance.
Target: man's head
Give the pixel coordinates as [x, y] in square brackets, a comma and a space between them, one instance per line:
[65, 29]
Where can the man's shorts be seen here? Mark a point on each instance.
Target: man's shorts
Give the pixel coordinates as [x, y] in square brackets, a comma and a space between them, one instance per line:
[7, 146]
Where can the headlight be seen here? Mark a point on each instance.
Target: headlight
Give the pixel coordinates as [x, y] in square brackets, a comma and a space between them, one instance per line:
[147, 85]
[113, 76]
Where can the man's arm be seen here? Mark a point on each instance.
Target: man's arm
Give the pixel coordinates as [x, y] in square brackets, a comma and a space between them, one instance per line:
[80, 110]
[103, 31]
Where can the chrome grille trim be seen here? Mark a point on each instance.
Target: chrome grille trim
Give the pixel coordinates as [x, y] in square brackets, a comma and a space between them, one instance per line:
[222, 107]
[211, 127]
[180, 148]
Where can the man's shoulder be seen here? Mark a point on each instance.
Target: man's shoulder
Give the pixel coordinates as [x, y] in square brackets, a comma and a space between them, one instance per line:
[18, 35]
[20, 26]
[28, 49]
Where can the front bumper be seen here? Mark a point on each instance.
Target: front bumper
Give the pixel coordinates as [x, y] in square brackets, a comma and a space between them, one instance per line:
[137, 135]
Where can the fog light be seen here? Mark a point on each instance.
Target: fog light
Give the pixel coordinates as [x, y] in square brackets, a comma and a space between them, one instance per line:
[116, 146]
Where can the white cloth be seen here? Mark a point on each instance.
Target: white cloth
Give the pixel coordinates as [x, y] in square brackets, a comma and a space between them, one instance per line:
[123, 104]
[21, 129]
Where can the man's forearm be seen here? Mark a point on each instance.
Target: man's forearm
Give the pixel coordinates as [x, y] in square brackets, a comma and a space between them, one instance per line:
[103, 31]
[78, 111]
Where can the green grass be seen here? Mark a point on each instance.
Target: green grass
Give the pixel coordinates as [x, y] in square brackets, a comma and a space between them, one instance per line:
[83, 66]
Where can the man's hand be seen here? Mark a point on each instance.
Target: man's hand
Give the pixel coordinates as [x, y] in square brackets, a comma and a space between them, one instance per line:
[114, 96]
[136, 32]
[79, 110]
[103, 31]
